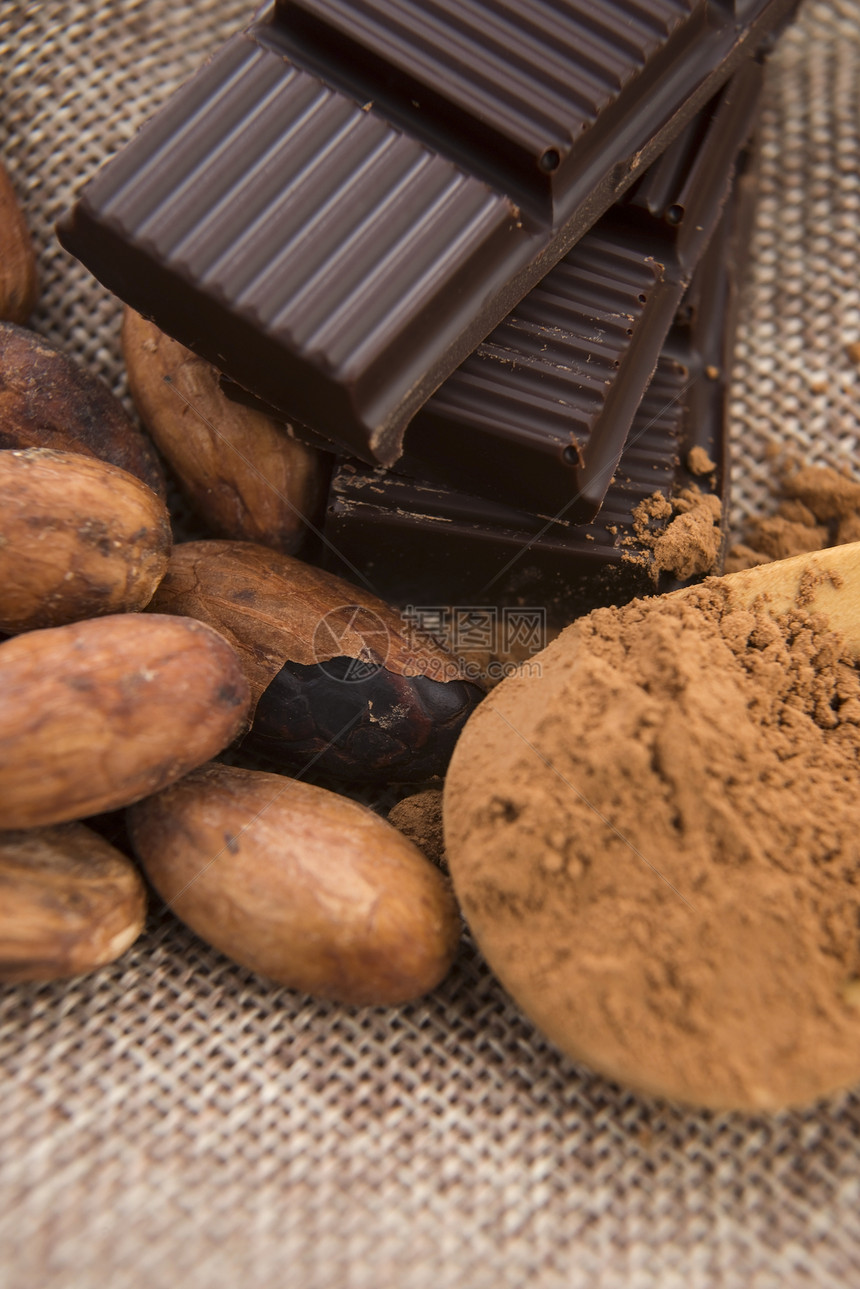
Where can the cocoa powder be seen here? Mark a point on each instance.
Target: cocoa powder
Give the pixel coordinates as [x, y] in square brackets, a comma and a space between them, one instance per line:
[818, 507]
[681, 536]
[419, 818]
[657, 842]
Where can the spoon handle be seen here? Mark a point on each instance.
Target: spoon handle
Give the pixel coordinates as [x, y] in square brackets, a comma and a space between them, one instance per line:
[826, 581]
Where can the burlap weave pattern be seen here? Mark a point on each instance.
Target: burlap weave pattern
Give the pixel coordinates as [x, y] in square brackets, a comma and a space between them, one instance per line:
[174, 1119]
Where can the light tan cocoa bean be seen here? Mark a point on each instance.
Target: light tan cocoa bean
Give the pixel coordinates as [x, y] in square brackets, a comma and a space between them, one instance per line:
[275, 609]
[243, 473]
[69, 902]
[97, 714]
[299, 884]
[18, 278]
[78, 539]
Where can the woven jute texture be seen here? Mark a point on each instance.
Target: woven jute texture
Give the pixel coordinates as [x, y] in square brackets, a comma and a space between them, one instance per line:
[176, 1120]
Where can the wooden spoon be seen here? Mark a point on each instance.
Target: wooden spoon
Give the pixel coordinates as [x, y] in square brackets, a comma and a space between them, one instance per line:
[825, 582]
[620, 883]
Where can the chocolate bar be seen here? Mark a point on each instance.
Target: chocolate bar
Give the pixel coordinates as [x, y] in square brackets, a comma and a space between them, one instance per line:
[419, 544]
[537, 416]
[347, 198]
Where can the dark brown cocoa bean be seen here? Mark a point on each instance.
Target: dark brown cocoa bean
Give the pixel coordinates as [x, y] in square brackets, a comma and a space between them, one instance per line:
[48, 401]
[340, 681]
[376, 726]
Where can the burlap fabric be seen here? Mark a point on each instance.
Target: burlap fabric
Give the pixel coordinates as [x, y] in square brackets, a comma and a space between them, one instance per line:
[175, 1120]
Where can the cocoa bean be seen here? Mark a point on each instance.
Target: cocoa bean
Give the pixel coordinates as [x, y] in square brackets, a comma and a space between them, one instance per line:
[48, 401]
[69, 903]
[338, 679]
[18, 279]
[299, 884]
[78, 539]
[97, 714]
[240, 470]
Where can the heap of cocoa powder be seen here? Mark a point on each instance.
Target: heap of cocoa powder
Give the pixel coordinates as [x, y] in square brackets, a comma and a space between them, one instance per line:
[656, 843]
[679, 535]
[419, 817]
[817, 507]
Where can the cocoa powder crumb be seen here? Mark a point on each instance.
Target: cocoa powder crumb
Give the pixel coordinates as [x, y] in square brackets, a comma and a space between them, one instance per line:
[656, 845]
[810, 580]
[689, 544]
[778, 538]
[796, 512]
[698, 461]
[848, 530]
[419, 818]
[743, 556]
[657, 506]
[828, 494]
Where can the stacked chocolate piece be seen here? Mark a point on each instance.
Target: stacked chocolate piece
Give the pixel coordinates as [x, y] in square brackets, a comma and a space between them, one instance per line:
[481, 250]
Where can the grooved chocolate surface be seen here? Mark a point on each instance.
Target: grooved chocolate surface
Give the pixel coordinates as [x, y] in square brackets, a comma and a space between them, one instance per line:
[426, 545]
[270, 191]
[423, 545]
[515, 421]
[522, 82]
[337, 244]
[537, 416]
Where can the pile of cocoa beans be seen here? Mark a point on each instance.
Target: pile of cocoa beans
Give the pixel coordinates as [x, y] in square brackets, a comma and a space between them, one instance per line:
[129, 663]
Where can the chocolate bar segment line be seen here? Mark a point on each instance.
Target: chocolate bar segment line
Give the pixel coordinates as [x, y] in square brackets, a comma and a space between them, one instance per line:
[192, 228]
[337, 178]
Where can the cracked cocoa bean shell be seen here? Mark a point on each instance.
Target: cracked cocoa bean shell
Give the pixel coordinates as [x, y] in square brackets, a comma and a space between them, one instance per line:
[97, 714]
[18, 277]
[240, 470]
[299, 884]
[47, 400]
[340, 682]
[78, 539]
[69, 902]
